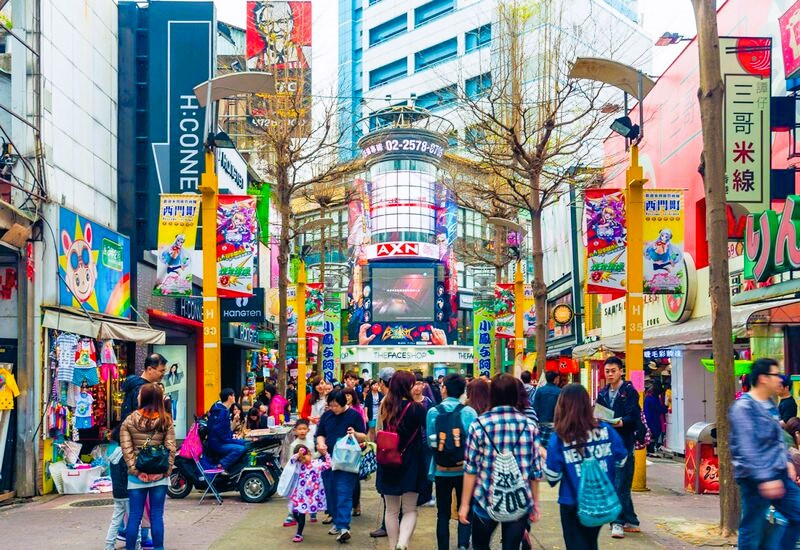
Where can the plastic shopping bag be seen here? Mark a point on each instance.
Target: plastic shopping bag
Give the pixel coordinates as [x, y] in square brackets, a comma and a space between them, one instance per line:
[346, 455]
[288, 479]
[369, 462]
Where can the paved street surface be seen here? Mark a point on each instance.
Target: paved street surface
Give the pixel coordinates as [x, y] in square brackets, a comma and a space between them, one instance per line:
[73, 521]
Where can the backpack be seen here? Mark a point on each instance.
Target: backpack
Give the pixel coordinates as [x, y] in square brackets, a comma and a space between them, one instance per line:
[450, 437]
[598, 503]
[507, 497]
[388, 442]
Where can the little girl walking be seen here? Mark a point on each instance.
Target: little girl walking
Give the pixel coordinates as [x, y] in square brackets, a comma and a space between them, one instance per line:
[308, 494]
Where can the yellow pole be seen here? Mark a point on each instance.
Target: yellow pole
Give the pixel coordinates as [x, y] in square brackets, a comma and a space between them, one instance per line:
[211, 327]
[634, 303]
[519, 320]
[301, 334]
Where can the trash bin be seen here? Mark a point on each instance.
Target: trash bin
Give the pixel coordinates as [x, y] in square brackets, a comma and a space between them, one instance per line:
[701, 472]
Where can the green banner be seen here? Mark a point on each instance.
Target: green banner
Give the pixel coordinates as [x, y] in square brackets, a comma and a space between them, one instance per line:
[331, 339]
[483, 327]
[262, 209]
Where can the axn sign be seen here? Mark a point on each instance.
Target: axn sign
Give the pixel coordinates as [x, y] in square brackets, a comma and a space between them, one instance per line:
[398, 249]
[772, 241]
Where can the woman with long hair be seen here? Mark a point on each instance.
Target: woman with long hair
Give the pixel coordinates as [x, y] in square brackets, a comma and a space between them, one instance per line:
[401, 485]
[278, 404]
[576, 432]
[316, 403]
[478, 395]
[150, 425]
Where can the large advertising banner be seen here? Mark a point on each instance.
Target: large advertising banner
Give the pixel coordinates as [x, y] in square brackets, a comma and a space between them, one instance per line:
[747, 72]
[94, 266]
[331, 339]
[504, 310]
[663, 241]
[175, 384]
[484, 336]
[177, 235]
[237, 245]
[605, 228]
[789, 24]
[315, 308]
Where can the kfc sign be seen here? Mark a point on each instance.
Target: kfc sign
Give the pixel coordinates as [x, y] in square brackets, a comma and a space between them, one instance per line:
[789, 24]
[402, 250]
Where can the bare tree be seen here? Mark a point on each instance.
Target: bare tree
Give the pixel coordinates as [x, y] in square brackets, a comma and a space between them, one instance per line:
[712, 168]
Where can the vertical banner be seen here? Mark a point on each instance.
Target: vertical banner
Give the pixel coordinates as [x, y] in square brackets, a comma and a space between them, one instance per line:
[529, 316]
[504, 310]
[606, 234]
[331, 338]
[177, 233]
[237, 245]
[315, 302]
[663, 241]
[747, 72]
[484, 336]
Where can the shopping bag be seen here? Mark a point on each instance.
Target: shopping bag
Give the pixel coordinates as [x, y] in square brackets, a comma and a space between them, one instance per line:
[192, 446]
[346, 455]
[288, 479]
[369, 462]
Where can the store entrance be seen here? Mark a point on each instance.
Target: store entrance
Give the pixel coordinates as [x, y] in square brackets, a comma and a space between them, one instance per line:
[8, 419]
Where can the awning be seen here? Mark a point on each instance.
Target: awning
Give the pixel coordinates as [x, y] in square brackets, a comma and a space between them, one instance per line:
[698, 330]
[99, 326]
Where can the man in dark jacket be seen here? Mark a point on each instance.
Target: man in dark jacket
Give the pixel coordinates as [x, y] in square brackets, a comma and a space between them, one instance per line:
[787, 406]
[620, 396]
[761, 464]
[544, 403]
[220, 438]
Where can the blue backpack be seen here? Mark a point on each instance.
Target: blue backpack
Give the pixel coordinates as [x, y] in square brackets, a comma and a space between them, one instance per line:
[598, 503]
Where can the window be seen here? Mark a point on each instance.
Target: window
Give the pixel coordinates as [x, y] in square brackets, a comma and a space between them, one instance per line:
[436, 54]
[388, 29]
[477, 38]
[387, 73]
[476, 85]
[440, 98]
[432, 10]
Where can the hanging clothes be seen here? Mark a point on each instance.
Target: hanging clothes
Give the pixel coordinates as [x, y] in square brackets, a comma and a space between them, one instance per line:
[8, 389]
[83, 411]
[108, 362]
[66, 345]
[85, 367]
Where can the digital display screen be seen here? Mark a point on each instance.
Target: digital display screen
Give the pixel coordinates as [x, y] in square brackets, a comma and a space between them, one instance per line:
[403, 294]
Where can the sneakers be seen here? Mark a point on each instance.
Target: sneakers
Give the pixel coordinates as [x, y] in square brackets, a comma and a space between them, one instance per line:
[617, 532]
[333, 531]
[631, 528]
[147, 544]
[357, 511]
[297, 538]
[289, 522]
[121, 536]
[328, 520]
[313, 518]
[378, 533]
[344, 536]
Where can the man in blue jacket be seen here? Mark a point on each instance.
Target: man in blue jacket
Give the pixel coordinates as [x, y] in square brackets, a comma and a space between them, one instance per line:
[220, 438]
[761, 463]
[620, 396]
[544, 403]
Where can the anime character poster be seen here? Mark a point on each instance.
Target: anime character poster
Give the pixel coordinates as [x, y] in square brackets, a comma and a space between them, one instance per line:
[663, 241]
[504, 310]
[94, 266]
[315, 308]
[278, 35]
[177, 233]
[237, 245]
[606, 234]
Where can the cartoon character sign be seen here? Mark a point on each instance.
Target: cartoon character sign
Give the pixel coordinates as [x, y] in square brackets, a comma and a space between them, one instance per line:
[81, 265]
[606, 241]
[236, 245]
[177, 233]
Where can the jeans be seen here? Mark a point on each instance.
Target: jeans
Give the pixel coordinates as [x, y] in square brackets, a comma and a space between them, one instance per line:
[753, 523]
[158, 495]
[340, 497]
[230, 452]
[623, 481]
[357, 495]
[444, 502]
[577, 536]
[117, 521]
[483, 528]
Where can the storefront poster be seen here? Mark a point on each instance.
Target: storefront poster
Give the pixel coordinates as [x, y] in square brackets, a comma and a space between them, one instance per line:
[605, 227]
[663, 241]
[484, 336]
[315, 302]
[331, 339]
[177, 235]
[747, 71]
[504, 310]
[175, 384]
[94, 265]
[237, 245]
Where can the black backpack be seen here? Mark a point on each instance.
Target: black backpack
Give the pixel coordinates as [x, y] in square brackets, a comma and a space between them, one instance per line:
[451, 438]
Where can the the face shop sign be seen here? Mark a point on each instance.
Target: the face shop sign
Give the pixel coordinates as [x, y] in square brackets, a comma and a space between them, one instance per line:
[231, 171]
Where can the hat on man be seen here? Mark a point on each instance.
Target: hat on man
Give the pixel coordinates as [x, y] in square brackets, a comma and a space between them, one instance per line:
[385, 374]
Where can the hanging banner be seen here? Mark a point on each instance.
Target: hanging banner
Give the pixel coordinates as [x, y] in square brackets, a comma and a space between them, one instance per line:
[663, 241]
[504, 310]
[529, 315]
[315, 311]
[606, 233]
[746, 65]
[237, 245]
[331, 339]
[177, 234]
[484, 337]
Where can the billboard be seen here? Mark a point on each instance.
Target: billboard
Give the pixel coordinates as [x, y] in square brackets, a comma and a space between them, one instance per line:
[402, 294]
[605, 228]
[237, 245]
[177, 233]
[94, 266]
[663, 241]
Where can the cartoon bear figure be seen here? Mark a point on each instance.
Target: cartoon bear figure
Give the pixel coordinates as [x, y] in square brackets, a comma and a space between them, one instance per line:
[81, 271]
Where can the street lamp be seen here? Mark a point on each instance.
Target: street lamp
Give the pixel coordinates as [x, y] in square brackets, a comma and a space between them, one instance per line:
[519, 290]
[635, 83]
[670, 38]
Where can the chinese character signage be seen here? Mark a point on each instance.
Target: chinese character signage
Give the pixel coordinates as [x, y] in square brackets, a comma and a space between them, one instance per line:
[331, 340]
[177, 233]
[504, 310]
[94, 266]
[789, 24]
[237, 245]
[606, 241]
[663, 241]
[746, 70]
[771, 241]
[484, 337]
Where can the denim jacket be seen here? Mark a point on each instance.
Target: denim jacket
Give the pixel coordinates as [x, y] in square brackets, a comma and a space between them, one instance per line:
[757, 446]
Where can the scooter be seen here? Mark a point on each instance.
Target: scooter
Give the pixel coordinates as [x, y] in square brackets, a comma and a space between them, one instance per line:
[255, 475]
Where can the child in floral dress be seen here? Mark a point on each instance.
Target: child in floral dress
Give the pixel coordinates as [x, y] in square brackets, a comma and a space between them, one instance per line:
[308, 495]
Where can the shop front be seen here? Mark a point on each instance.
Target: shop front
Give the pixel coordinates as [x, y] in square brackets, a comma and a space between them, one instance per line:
[430, 360]
[241, 357]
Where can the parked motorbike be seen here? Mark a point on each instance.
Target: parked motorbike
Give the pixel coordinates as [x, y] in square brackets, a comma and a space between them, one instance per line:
[255, 475]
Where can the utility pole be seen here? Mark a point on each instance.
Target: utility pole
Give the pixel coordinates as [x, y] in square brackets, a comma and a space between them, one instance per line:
[211, 325]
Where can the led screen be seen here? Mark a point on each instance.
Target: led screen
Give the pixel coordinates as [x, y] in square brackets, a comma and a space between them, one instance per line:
[402, 294]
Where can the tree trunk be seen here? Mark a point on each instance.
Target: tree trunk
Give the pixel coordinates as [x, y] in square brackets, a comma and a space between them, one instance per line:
[539, 286]
[283, 280]
[710, 95]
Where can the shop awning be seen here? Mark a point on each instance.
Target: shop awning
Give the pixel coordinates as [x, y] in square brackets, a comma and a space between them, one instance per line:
[100, 326]
[698, 330]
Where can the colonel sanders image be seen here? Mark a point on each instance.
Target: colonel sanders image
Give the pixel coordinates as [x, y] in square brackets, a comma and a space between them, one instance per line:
[278, 43]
